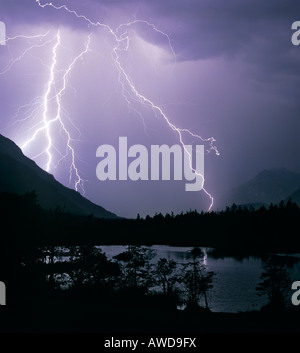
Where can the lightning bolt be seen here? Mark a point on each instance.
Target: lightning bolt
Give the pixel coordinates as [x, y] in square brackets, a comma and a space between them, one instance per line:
[20, 57]
[129, 91]
[73, 168]
[46, 122]
[39, 108]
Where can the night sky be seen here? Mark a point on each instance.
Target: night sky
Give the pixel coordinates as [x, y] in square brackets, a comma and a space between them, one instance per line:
[222, 69]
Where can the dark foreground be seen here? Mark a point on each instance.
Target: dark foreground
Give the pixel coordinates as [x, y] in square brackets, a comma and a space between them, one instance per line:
[113, 297]
[65, 314]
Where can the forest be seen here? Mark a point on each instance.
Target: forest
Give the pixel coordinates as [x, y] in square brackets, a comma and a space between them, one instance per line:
[241, 230]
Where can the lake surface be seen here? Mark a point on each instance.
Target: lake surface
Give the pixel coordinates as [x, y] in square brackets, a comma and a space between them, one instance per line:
[235, 280]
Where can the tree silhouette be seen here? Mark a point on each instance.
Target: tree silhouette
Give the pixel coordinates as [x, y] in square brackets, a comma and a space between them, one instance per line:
[275, 283]
[197, 281]
[136, 267]
[90, 267]
[167, 276]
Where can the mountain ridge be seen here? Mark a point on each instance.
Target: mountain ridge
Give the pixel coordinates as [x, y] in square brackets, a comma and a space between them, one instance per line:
[19, 174]
[268, 186]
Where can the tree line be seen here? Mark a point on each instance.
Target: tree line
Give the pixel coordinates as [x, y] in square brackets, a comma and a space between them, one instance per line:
[85, 269]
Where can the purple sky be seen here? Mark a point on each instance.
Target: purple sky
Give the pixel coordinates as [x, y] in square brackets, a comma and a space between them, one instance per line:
[235, 76]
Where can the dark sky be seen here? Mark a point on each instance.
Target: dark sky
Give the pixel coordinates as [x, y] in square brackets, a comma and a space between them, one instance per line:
[225, 69]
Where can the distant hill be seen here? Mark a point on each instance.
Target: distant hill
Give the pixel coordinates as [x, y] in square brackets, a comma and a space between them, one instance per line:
[254, 205]
[266, 187]
[19, 174]
[295, 196]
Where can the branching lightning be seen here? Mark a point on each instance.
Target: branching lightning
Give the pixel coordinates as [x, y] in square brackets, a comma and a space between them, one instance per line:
[38, 108]
[46, 122]
[14, 61]
[73, 168]
[129, 91]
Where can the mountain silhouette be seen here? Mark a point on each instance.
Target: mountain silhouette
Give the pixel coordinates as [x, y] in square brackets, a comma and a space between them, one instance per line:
[295, 197]
[269, 186]
[19, 174]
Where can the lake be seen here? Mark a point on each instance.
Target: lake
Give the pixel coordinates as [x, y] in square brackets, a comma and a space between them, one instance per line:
[235, 280]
